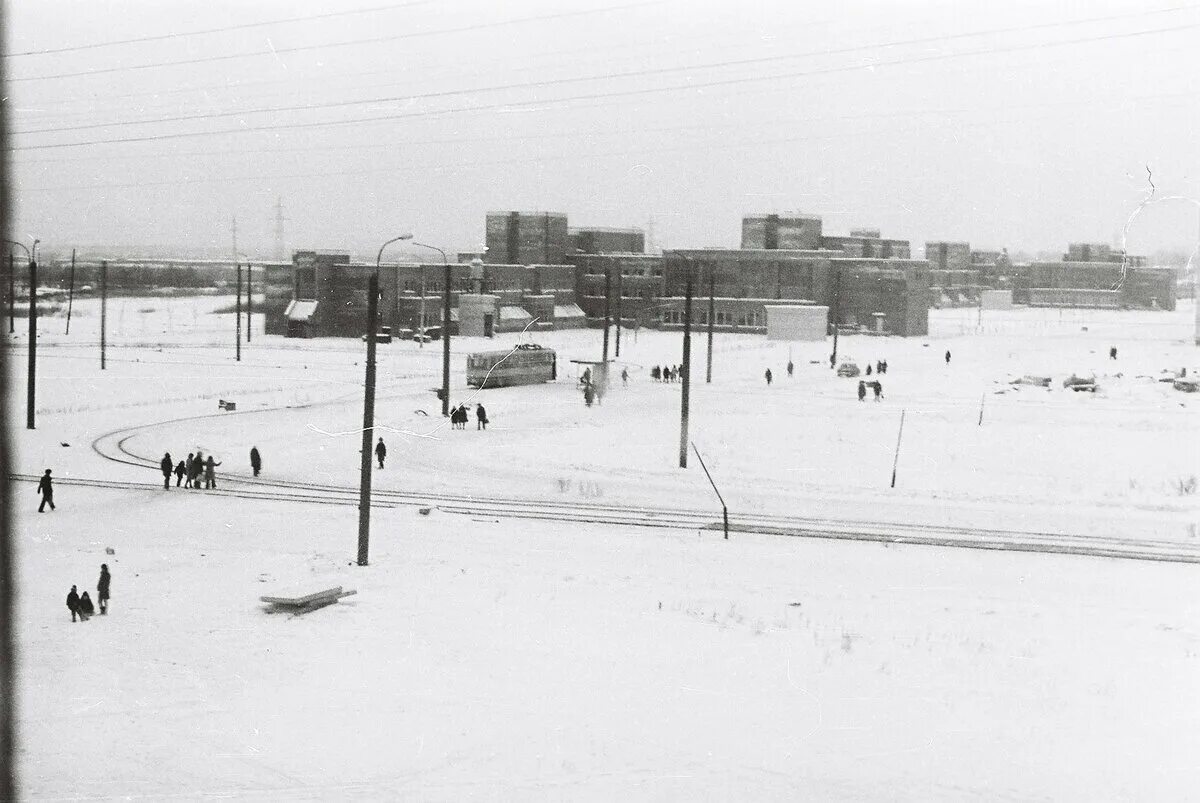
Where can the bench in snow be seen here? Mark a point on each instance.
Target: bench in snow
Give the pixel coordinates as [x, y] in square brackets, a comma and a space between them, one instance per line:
[307, 602]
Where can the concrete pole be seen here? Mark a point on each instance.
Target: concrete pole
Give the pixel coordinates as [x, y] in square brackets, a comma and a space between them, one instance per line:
[249, 300]
[237, 338]
[71, 291]
[446, 339]
[31, 385]
[607, 319]
[620, 295]
[12, 291]
[687, 370]
[103, 310]
[368, 432]
[711, 315]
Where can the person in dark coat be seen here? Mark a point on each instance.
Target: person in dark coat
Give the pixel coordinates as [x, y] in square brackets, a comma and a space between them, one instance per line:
[481, 417]
[667, 375]
[190, 468]
[167, 465]
[180, 473]
[46, 489]
[86, 609]
[102, 588]
[255, 460]
[832, 359]
[883, 367]
[197, 470]
[862, 390]
[878, 388]
[879, 366]
[790, 368]
[768, 376]
[380, 452]
[589, 395]
[1112, 353]
[624, 376]
[868, 369]
[656, 373]
[947, 356]
[73, 603]
[210, 473]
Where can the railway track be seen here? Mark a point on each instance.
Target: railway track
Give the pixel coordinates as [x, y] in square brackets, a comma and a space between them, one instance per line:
[113, 446]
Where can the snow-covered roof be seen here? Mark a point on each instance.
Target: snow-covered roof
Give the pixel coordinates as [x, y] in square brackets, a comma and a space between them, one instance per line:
[301, 310]
[514, 314]
[568, 311]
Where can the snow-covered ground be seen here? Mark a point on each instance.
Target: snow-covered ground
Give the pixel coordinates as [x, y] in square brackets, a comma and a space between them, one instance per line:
[505, 659]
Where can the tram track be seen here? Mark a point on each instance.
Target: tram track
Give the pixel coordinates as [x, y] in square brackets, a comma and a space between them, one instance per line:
[113, 446]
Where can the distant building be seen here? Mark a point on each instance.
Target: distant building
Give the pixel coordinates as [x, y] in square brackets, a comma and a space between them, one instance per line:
[1093, 275]
[526, 238]
[328, 296]
[788, 232]
[954, 278]
[594, 240]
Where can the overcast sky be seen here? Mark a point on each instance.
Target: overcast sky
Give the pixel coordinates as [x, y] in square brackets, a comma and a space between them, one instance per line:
[1018, 124]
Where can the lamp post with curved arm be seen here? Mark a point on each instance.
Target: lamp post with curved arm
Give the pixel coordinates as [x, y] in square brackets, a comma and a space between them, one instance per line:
[31, 379]
[368, 429]
[445, 327]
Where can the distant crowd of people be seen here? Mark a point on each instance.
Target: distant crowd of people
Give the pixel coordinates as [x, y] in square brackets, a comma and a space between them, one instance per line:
[197, 469]
[460, 417]
[81, 606]
[666, 373]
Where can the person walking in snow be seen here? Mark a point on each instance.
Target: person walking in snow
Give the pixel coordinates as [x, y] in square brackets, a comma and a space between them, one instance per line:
[180, 473]
[624, 376]
[210, 473]
[73, 603]
[197, 470]
[380, 452]
[947, 356]
[878, 388]
[86, 608]
[102, 589]
[656, 373]
[167, 466]
[868, 369]
[46, 489]
[481, 416]
[862, 390]
[768, 377]
[1112, 353]
[255, 460]
[190, 469]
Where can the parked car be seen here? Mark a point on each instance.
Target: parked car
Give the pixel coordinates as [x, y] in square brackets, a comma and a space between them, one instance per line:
[848, 369]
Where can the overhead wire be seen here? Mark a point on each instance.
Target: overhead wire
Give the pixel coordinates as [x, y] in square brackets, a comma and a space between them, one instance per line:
[276, 51]
[641, 91]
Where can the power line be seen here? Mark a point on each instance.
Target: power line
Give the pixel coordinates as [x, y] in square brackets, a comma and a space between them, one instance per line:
[226, 29]
[573, 80]
[615, 93]
[275, 51]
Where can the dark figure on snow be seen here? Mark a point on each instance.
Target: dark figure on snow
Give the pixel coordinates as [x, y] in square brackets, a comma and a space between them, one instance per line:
[878, 388]
[832, 359]
[168, 467]
[86, 608]
[197, 470]
[102, 588]
[380, 452]
[481, 417]
[255, 460]
[790, 368]
[656, 373]
[768, 376]
[189, 470]
[73, 603]
[878, 366]
[1112, 353]
[666, 374]
[862, 390]
[883, 367]
[868, 369]
[947, 356]
[589, 395]
[47, 492]
[210, 473]
[587, 376]
[180, 473]
[624, 376]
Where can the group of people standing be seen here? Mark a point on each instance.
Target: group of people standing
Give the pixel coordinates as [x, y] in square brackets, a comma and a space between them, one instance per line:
[459, 416]
[189, 473]
[666, 373]
[80, 605]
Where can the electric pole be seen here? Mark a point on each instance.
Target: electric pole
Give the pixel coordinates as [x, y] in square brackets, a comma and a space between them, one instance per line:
[368, 433]
[31, 388]
[446, 339]
[620, 295]
[607, 304]
[837, 303]
[237, 338]
[711, 315]
[12, 291]
[687, 367]
[71, 291]
[103, 309]
[249, 299]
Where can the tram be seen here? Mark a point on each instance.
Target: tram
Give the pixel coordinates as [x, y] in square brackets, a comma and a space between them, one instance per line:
[527, 364]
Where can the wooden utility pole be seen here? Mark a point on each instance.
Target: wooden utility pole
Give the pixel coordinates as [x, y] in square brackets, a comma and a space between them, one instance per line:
[899, 435]
[687, 369]
[12, 291]
[446, 337]
[607, 300]
[71, 291]
[837, 303]
[237, 338]
[620, 295]
[31, 385]
[103, 309]
[249, 300]
[364, 491]
[712, 305]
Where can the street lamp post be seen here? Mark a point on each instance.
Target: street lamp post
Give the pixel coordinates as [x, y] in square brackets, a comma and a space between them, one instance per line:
[368, 431]
[445, 328]
[31, 379]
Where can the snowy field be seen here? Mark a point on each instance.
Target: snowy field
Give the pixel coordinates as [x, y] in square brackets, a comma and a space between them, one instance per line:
[489, 658]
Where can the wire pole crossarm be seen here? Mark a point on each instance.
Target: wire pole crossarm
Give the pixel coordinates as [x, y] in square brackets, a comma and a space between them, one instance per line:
[717, 491]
